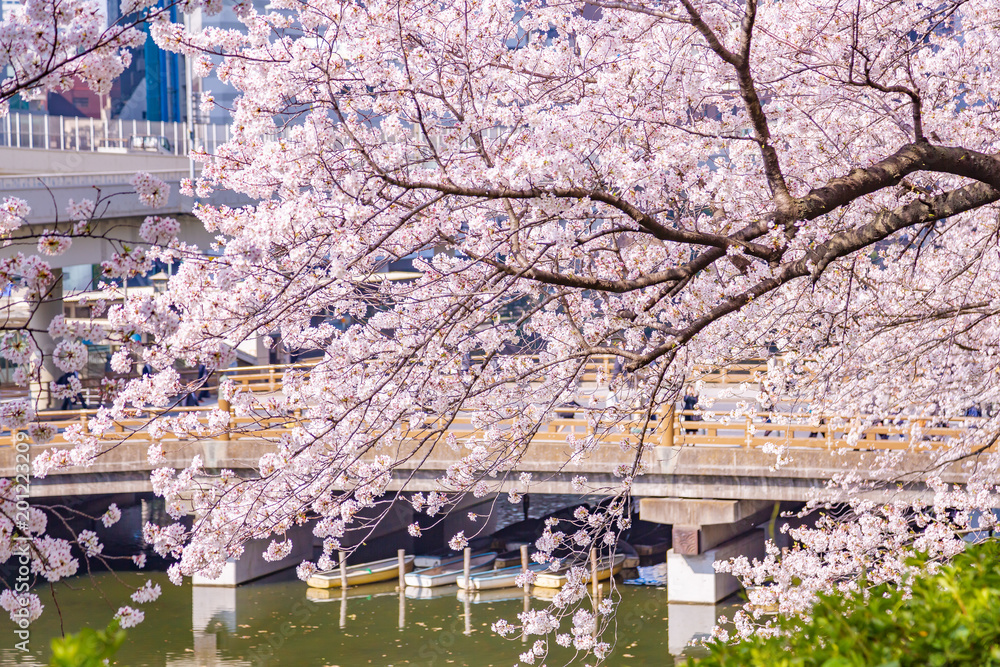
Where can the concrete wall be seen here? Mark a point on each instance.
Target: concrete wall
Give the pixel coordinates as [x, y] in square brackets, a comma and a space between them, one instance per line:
[19, 161]
[252, 564]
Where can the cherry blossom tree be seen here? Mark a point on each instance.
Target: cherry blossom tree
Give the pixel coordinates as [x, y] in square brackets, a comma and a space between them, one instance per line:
[46, 45]
[671, 183]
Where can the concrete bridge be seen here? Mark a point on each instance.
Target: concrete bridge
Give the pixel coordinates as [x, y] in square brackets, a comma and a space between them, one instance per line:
[714, 486]
[689, 466]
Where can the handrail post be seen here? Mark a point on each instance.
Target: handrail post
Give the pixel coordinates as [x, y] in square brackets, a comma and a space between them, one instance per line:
[668, 417]
[224, 405]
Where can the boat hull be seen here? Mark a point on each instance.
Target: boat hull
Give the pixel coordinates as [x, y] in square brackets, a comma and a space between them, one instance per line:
[606, 568]
[365, 573]
[505, 578]
[449, 572]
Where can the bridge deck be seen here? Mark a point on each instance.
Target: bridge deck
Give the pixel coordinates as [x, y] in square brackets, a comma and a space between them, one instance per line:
[685, 454]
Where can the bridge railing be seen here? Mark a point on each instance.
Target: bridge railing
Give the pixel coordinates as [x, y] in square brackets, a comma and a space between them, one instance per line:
[669, 428]
[68, 133]
[269, 378]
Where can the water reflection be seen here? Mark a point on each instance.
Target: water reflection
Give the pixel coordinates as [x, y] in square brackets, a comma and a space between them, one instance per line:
[279, 622]
[694, 622]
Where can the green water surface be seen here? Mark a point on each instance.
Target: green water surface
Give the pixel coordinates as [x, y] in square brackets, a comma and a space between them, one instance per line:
[275, 623]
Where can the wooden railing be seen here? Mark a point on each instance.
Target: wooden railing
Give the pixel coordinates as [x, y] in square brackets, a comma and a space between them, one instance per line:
[670, 428]
[263, 379]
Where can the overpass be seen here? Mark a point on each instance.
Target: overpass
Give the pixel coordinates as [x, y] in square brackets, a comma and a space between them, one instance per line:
[119, 217]
[48, 160]
[62, 144]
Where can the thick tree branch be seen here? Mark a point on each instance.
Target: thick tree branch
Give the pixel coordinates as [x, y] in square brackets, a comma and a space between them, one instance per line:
[972, 196]
[911, 158]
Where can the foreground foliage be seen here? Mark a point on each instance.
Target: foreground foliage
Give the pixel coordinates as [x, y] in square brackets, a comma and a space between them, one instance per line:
[951, 617]
[87, 648]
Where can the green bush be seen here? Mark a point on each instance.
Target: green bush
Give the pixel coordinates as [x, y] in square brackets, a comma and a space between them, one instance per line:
[87, 648]
[952, 618]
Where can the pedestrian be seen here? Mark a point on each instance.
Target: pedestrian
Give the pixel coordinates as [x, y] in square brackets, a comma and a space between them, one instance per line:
[65, 380]
[204, 394]
[691, 403]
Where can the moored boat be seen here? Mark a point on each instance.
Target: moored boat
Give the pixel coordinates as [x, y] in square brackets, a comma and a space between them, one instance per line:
[606, 568]
[449, 571]
[505, 578]
[363, 573]
[439, 556]
[511, 557]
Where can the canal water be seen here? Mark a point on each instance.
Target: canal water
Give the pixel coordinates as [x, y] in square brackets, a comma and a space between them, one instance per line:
[277, 623]
[280, 622]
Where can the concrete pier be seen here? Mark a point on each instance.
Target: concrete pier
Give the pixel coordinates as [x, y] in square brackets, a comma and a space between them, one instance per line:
[693, 579]
[252, 565]
[705, 531]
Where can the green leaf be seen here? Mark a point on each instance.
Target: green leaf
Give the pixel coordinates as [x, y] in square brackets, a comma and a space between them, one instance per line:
[87, 648]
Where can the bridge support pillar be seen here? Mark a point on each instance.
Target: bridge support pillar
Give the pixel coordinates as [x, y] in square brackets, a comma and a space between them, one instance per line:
[263, 352]
[252, 565]
[693, 579]
[705, 531]
[48, 307]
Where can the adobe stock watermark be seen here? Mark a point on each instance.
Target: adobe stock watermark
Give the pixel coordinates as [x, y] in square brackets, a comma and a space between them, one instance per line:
[22, 548]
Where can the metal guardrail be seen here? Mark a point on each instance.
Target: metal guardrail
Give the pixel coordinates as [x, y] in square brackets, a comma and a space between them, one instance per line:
[67, 133]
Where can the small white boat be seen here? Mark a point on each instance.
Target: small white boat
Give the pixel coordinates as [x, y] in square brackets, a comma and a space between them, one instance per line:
[365, 573]
[504, 578]
[606, 568]
[449, 571]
